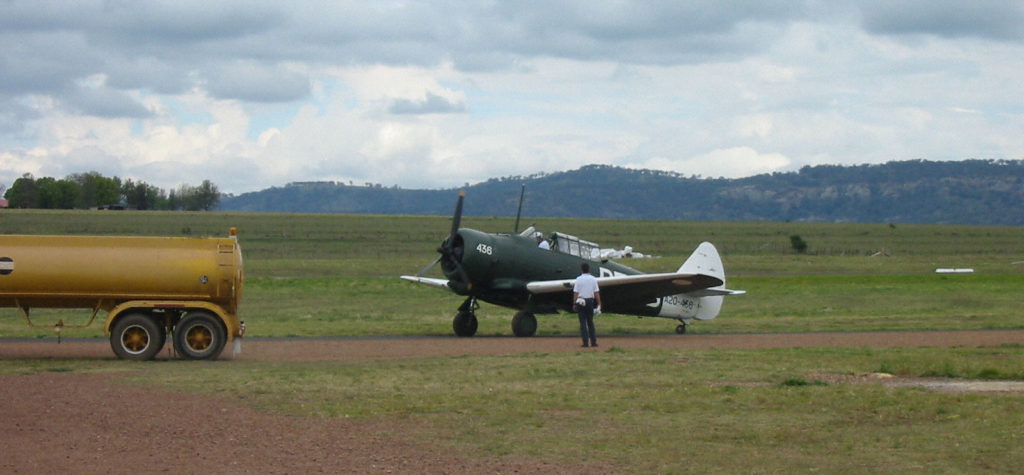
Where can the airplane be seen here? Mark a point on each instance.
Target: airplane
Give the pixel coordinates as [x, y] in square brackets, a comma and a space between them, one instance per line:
[510, 270]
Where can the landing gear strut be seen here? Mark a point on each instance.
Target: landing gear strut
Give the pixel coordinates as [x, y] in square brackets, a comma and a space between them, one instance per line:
[465, 322]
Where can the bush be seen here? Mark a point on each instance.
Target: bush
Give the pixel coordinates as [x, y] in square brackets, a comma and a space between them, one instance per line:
[799, 245]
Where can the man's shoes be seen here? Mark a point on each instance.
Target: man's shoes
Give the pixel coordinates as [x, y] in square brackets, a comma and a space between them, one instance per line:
[593, 344]
[585, 345]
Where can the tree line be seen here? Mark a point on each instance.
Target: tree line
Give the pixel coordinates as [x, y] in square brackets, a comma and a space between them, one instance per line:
[92, 190]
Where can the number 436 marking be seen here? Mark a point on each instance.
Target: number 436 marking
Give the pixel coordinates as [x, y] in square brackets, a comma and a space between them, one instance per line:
[484, 249]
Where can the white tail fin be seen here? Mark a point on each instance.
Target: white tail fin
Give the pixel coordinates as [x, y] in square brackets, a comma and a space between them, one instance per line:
[705, 260]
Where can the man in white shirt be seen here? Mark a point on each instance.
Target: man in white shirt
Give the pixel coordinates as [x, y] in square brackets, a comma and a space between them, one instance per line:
[541, 242]
[586, 298]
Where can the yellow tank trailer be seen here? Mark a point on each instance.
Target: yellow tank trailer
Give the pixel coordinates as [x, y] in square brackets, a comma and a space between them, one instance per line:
[151, 287]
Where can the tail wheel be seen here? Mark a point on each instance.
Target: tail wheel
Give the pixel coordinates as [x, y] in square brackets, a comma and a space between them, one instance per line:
[524, 324]
[137, 337]
[199, 336]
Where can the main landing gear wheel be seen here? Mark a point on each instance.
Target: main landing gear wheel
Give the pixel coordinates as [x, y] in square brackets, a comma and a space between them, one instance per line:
[137, 337]
[199, 336]
[681, 329]
[465, 323]
[524, 324]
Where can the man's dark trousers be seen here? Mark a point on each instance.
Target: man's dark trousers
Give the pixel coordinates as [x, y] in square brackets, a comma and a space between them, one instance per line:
[587, 330]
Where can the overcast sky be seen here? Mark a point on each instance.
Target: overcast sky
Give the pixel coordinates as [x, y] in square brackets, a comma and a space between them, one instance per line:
[435, 94]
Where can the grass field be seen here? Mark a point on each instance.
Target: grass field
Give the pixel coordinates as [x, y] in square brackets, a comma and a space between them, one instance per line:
[804, 409]
[336, 275]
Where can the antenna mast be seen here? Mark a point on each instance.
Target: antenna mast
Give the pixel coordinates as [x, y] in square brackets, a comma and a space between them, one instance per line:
[522, 192]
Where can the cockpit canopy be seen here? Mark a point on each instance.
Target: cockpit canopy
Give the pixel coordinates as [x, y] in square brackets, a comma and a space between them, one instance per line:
[575, 246]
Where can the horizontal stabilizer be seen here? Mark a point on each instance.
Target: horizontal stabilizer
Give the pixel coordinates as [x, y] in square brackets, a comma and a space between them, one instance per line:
[716, 292]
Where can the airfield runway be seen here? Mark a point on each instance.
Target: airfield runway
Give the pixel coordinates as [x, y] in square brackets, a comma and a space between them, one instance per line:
[326, 349]
[85, 422]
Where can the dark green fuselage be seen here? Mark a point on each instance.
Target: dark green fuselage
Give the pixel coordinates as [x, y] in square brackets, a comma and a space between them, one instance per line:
[495, 268]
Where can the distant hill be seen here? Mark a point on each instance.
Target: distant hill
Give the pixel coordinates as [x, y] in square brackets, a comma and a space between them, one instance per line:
[964, 192]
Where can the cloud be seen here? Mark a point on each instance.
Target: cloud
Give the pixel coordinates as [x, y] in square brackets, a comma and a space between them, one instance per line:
[992, 19]
[436, 94]
[256, 82]
[101, 101]
[175, 23]
[432, 104]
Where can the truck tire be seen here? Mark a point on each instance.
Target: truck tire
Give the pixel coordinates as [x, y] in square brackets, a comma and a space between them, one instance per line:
[137, 337]
[199, 336]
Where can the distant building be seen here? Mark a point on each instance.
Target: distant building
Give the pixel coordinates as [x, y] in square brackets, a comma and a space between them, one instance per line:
[3, 203]
[117, 207]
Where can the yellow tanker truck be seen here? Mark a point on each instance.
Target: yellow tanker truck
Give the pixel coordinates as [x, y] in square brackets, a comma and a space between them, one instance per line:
[151, 287]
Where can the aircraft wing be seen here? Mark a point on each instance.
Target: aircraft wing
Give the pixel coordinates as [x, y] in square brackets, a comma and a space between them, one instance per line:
[642, 287]
[439, 283]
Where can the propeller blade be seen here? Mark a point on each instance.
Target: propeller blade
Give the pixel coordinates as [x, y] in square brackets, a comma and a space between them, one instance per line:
[429, 266]
[457, 219]
[448, 259]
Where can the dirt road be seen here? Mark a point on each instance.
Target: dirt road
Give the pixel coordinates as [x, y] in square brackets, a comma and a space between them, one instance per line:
[317, 349]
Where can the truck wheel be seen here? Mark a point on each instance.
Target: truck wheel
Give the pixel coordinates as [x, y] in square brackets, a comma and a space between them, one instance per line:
[136, 337]
[199, 336]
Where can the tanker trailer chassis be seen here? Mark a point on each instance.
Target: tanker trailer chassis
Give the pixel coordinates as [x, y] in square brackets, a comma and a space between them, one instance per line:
[139, 330]
[186, 289]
